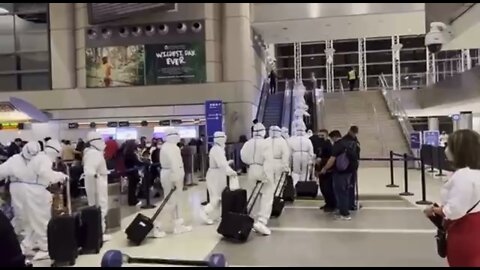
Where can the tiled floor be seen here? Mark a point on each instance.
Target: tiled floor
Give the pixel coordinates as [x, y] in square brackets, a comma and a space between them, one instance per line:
[387, 231]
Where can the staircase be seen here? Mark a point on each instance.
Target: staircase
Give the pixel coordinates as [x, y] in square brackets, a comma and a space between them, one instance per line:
[378, 131]
[273, 110]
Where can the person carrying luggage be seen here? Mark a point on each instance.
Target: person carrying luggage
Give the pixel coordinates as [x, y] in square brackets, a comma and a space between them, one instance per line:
[171, 175]
[253, 154]
[95, 171]
[38, 205]
[216, 176]
[302, 154]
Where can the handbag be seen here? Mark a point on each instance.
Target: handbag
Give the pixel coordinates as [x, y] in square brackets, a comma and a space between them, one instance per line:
[441, 237]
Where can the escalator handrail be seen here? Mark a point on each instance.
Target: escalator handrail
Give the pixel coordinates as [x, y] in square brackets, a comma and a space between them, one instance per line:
[263, 100]
[287, 107]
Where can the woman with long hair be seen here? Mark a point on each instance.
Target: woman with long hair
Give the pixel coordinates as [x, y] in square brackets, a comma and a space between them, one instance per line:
[460, 200]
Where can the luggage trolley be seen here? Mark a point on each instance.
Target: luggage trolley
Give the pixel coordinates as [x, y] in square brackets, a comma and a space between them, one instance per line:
[116, 258]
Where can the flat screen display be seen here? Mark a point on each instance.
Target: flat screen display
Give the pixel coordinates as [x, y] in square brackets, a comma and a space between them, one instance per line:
[185, 132]
[107, 132]
[124, 134]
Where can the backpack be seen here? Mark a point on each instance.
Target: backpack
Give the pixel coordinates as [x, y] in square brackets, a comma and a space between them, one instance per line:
[348, 157]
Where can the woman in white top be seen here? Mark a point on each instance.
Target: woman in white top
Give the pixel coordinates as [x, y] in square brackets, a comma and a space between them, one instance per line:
[460, 200]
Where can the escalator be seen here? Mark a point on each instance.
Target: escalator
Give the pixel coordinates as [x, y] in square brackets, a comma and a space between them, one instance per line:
[273, 110]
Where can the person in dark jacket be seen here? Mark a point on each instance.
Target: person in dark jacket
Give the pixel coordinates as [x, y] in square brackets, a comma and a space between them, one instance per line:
[187, 163]
[351, 137]
[132, 161]
[324, 152]
[15, 147]
[10, 252]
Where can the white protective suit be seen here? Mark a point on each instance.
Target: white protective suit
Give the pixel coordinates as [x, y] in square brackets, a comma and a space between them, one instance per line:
[302, 155]
[276, 161]
[40, 199]
[96, 175]
[216, 175]
[253, 154]
[171, 176]
[16, 169]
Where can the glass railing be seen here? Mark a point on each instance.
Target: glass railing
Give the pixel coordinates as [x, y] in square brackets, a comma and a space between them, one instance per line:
[263, 101]
[396, 109]
[287, 104]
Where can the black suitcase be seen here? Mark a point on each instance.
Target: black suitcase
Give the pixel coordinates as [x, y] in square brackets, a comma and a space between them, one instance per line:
[90, 230]
[307, 188]
[288, 193]
[278, 202]
[141, 226]
[234, 200]
[236, 227]
[62, 236]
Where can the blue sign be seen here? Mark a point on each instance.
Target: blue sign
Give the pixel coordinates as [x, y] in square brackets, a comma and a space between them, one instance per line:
[431, 137]
[456, 117]
[213, 118]
[415, 140]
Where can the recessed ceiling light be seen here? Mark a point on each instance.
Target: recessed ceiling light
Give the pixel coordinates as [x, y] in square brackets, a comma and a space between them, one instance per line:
[285, 28]
[328, 25]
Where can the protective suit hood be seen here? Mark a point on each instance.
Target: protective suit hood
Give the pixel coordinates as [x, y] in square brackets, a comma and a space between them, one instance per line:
[172, 136]
[259, 130]
[30, 150]
[53, 149]
[96, 141]
[285, 134]
[275, 132]
[220, 138]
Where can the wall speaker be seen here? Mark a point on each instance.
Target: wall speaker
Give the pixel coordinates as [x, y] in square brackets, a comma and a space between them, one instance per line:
[163, 29]
[196, 27]
[124, 32]
[181, 28]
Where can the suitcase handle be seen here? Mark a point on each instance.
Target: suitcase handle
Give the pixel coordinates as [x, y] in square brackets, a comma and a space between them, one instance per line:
[283, 175]
[163, 204]
[259, 183]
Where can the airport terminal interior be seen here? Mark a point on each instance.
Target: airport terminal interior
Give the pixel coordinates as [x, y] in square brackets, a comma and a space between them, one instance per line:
[239, 134]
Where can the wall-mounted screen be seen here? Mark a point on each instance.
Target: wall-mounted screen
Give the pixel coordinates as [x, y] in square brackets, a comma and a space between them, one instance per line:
[124, 134]
[107, 132]
[185, 132]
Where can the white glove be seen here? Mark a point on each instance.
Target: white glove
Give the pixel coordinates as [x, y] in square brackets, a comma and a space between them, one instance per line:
[231, 172]
[286, 169]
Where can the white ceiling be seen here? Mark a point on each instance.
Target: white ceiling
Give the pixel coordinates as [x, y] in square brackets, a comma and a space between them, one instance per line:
[466, 30]
[342, 27]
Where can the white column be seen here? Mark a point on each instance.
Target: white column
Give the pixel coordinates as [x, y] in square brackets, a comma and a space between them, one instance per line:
[62, 45]
[362, 64]
[396, 71]
[329, 51]
[297, 58]
[431, 68]
[466, 62]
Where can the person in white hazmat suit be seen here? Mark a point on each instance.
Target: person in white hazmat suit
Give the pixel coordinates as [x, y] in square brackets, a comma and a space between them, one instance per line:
[253, 154]
[40, 199]
[216, 176]
[16, 169]
[285, 133]
[302, 154]
[96, 176]
[171, 176]
[276, 161]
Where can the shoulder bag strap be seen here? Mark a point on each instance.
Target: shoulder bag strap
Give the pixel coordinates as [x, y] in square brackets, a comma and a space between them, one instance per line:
[473, 207]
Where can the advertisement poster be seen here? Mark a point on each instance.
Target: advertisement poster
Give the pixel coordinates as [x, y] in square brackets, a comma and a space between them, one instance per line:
[175, 63]
[115, 66]
[415, 140]
[431, 137]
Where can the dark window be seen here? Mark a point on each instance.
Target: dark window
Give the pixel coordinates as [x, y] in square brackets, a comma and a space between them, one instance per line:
[379, 57]
[413, 42]
[284, 50]
[378, 44]
[24, 47]
[345, 46]
[316, 48]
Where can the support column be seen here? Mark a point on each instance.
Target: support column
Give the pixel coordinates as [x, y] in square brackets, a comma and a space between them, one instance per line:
[433, 123]
[62, 45]
[466, 120]
[396, 72]
[466, 60]
[362, 64]
[431, 68]
[297, 58]
[329, 51]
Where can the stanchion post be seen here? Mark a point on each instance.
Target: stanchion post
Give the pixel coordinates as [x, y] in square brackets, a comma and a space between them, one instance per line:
[424, 186]
[440, 164]
[432, 167]
[405, 176]
[146, 187]
[392, 174]
[202, 168]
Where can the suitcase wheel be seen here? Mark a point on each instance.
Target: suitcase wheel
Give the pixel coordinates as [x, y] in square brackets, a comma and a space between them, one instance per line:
[72, 263]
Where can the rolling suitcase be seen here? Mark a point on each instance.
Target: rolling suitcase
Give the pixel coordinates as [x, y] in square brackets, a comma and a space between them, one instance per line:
[62, 236]
[288, 193]
[141, 226]
[90, 230]
[236, 227]
[278, 202]
[307, 188]
[233, 200]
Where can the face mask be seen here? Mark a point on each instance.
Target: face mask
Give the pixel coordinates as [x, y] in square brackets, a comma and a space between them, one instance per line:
[448, 154]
